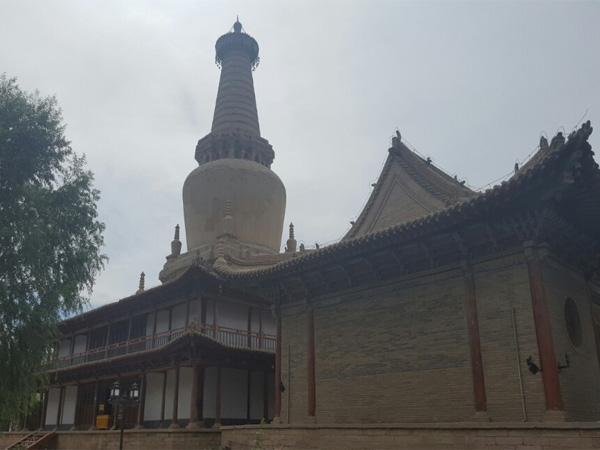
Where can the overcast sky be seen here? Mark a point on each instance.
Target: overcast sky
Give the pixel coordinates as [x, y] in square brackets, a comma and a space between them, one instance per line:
[470, 84]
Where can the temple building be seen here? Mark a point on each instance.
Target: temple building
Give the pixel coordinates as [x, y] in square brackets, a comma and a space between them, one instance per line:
[441, 304]
[202, 351]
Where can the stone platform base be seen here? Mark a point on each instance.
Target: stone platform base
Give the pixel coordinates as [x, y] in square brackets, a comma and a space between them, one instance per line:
[132, 439]
[450, 436]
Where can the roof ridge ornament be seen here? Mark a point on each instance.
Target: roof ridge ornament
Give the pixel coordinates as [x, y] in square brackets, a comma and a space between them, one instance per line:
[583, 133]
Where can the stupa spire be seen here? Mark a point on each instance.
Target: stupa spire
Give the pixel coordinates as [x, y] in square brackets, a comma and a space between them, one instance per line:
[233, 191]
[235, 110]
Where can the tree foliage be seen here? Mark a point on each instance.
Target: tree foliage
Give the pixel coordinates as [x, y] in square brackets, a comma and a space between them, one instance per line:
[50, 237]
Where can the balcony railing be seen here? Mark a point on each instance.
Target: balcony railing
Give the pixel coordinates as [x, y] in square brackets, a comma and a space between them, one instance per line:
[228, 336]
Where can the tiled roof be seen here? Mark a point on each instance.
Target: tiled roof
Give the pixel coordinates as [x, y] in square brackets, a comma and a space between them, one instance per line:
[454, 214]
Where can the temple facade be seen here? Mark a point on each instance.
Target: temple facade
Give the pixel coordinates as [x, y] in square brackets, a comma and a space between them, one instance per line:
[441, 304]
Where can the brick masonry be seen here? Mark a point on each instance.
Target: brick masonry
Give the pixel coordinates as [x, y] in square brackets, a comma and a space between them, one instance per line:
[579, 383]
[534, 436]
[132, 440]
[398, 352]
[448, 436]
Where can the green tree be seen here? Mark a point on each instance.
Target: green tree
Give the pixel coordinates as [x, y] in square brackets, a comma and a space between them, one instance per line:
[50, 238]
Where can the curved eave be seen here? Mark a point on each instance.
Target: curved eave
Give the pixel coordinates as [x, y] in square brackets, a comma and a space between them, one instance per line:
[126, 304]
[482, 203]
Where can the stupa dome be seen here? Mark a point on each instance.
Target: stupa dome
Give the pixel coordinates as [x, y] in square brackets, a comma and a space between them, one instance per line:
[254, 195]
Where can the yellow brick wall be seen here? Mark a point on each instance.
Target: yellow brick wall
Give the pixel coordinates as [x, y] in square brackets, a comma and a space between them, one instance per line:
[580, 384]
[294, 356]
[394, 353]
[503, 285]
[399, 352]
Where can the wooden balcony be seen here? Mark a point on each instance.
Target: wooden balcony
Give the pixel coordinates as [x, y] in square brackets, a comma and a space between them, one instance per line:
[224, 335]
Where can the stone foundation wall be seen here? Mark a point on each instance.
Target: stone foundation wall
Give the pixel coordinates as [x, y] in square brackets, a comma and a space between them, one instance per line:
[140, 440]
[415, 436]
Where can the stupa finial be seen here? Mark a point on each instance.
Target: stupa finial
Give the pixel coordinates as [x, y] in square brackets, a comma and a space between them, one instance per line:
[142, 283]
[175, 244]
[291, 242]
[237, 26]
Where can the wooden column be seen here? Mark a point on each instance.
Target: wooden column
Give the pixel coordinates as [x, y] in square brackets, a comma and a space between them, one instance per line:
[249, 340]
[44, 410]
[187, 312]
[218, 400]
[202, 307]
[107, 340]
[216, 319]
[115, 412]
[87, 344]
[72, 350]
[200, 398]
[260, 328]
[194, 398]
[248, 398]
[174, 423]
[278, 369]
[75, 425]
[312, 397]
[128, 335]
[142, 405]
[96, 395]
[474, 339]
[60, 404]
[543, 330]
[164, 396]
[154, 328]
[266, 395]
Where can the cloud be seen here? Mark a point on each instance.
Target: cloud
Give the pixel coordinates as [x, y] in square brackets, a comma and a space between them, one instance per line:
[470, 84]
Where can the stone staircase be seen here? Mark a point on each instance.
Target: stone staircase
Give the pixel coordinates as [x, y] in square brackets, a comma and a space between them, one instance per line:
[35, 440]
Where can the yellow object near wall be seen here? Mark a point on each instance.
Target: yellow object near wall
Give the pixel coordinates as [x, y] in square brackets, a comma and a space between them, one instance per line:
[102, 421]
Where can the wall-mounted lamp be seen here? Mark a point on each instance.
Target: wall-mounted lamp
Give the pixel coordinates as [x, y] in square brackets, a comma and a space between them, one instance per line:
[566, 365]
[533, 367]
